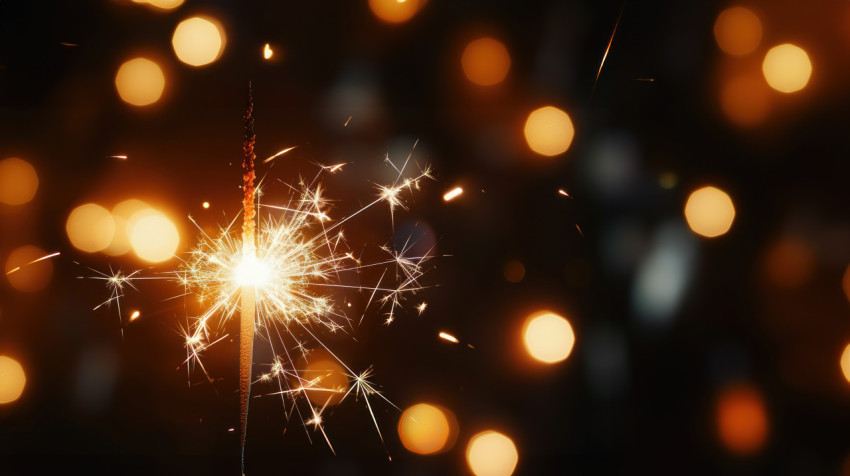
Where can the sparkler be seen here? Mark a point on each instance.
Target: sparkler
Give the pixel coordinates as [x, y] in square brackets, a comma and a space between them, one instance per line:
[248, 293]
[285, 277]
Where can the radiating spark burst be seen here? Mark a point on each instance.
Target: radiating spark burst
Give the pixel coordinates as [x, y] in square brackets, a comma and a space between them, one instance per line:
[301, 270]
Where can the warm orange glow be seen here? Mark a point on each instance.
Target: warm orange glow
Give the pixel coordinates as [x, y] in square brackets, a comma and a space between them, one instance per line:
[787, 68]
[90, 228]
[395, 11]
[452, 194]
[121, 214]
[18, 181]
[548, 337]
[737, 31]
[514, 271]
[745, 100]
[742, 423]
[486, 61]
[789, 263]
[709, 212]
[327, 380]
[12, 379]
[162, 4]
[845, 363]
[140, 82]
[205, 204]
[23, 273]
[424, 429]
[135, 315]
[549, 131]
[267, 51]
[845, 282]
[198, 41]
[153, 236]
[491, 453]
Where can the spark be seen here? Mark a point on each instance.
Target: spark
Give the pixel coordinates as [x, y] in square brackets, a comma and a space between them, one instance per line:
[135, 315]
[267, 51]
[333, 168]
[563, 192]
[18, 268]
[452, 194]
[119, 157]
[64, 43]
[280, 153]
[579, 230]
[608, 48]
[421, 307]
[648, 80]
[449, 337]
[205, 204]
[347, 121]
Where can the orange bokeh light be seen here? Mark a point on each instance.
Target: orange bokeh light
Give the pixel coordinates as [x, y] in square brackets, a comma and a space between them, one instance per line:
[486, 61]
[742, 422]
[328, 380]
[13, 379]
[18, 181]
[514, 271]
[140, 82]
[548, 337]
[845, 363]
[198, 40]
[152, 235]
[90, 227]
[28, 276]
[395, 11]
[789, 263]
[738, 31]
[549, 131]
[745, 100]
[709, 212]
[425, 428]
[491, 453]
[787, 68]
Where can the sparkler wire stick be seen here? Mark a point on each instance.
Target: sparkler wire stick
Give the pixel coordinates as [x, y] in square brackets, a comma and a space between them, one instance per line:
[248, 292]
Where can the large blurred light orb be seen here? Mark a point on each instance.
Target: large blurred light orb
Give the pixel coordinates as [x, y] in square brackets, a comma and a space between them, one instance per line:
[742, 423]
[549, 131]
[737, 31]
[395, 11]
[90, 227]
[709, 212]
[198, 41]
[424, 429]
[162, 4]
[153, 236]
[548, 337]
[18, 181]
[28, 277]
[12, 379]
[845, 363]
[787, 68]
[485, 61]
[745, 100]
[121, 213]
[329, 380]
[140, 82]
[491, 453]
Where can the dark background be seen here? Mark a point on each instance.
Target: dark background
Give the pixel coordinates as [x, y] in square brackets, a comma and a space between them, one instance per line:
[637, 395]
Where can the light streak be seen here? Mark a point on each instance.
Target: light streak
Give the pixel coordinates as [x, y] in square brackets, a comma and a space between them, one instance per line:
[449, 337]
[18, 268]
[563, 192]
[608, 48]
[135, 315]
[119, 157]
[452, 194]
[280, 153]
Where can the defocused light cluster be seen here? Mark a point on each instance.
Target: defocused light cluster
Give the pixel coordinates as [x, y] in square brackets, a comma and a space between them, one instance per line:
[131, 224]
